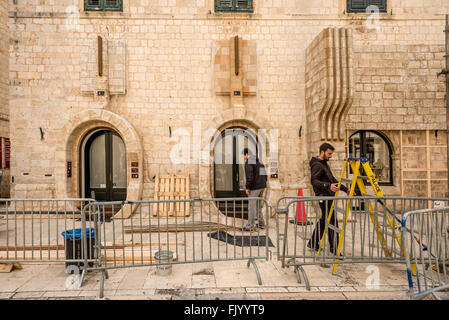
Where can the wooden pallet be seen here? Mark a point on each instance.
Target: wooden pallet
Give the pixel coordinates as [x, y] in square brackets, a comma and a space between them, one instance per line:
[172, 187]
[8, 267]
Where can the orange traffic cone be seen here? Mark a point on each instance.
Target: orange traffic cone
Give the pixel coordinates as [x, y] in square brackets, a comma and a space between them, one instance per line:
[301, 218]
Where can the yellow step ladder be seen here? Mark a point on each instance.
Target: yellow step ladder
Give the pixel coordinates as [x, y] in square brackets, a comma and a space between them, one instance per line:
[358, 180]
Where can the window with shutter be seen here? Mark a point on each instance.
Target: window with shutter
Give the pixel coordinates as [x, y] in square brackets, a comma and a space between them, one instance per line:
[233, 5]
[361, 5]
[103, 5]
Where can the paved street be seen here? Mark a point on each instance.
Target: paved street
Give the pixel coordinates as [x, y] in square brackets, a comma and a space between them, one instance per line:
[218, 280]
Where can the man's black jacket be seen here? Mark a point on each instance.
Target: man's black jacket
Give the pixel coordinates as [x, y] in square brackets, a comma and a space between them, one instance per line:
[256, 175]
[322, 178]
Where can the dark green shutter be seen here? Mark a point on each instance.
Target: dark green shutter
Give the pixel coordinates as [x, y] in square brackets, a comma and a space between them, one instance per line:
[233, 5]
[243, 5]
[92, 5]
[361, 5]
[382, 4]
[103, 5]
[112, 5]
[223, 5]
[357, 5]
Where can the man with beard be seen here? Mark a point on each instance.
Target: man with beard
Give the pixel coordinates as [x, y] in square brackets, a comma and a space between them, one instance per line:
[324, 184]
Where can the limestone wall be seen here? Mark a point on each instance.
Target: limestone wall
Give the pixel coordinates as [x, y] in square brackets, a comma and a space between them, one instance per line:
[170, 78]
[4, 94]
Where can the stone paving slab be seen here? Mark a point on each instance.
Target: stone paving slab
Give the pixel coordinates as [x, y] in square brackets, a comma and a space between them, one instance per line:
[215, 280]
[28, 294]
[266, 289]
[333, 289]
[227, 296]
[302, 289]
[376, 295]
[304, 296]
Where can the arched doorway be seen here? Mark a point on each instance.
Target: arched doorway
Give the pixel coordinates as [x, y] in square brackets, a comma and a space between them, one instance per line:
[105, 166]
[229, 168]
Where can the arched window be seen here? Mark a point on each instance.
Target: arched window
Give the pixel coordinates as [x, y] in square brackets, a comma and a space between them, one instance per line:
[376, 148]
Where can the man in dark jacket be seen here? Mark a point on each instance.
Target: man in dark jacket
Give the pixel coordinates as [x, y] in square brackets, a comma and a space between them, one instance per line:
[256, 182]
[324, 184]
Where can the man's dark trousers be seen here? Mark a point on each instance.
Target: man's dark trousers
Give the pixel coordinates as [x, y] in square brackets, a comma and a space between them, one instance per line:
[317, 234]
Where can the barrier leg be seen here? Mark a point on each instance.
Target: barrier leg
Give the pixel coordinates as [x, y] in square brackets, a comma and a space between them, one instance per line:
[103, 274]
[253, 262]
[298, 276]
[83, 274]
[304, 275]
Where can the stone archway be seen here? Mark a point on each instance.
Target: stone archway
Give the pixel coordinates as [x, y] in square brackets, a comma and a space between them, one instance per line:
[73, 134]
[230, 118]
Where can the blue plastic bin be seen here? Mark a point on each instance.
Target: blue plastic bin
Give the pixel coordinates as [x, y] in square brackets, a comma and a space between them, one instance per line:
[73, 245]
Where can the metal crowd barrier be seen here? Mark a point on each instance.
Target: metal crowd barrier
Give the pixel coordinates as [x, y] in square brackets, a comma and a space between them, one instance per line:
[370, 235]
[31, 232]
[426, 241]
[185, 231]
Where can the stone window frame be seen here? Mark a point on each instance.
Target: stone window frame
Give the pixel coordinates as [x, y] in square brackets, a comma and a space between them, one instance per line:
[382, 9]
[390, 182]
[218, 9]
[102, 6]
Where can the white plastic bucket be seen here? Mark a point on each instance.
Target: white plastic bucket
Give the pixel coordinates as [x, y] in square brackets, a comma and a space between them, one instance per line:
[163, 261]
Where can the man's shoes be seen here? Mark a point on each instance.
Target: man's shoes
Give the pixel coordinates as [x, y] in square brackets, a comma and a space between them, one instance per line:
[312, 248]
[260, 226]
[247, 228]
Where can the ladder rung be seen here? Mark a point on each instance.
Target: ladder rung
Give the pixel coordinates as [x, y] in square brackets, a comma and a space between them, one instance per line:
[350, 180]
[340, 210]
[334, 228]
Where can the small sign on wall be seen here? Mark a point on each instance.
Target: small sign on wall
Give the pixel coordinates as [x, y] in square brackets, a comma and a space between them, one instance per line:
[7, 153]
[134, 170]
[69, 169]
[274, 170]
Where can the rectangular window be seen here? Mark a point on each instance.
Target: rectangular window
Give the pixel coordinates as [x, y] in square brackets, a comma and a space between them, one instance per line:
[103, 5]
[233, 5]
[361, 5]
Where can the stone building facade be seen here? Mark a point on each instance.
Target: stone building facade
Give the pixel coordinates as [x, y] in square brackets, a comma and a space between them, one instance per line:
[4, 101]
[170, 75]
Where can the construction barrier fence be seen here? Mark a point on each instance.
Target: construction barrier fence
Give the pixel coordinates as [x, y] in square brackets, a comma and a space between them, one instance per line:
[426, 241]
[94, 236]
[182, 231]
[50, 231]
[343, 230]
